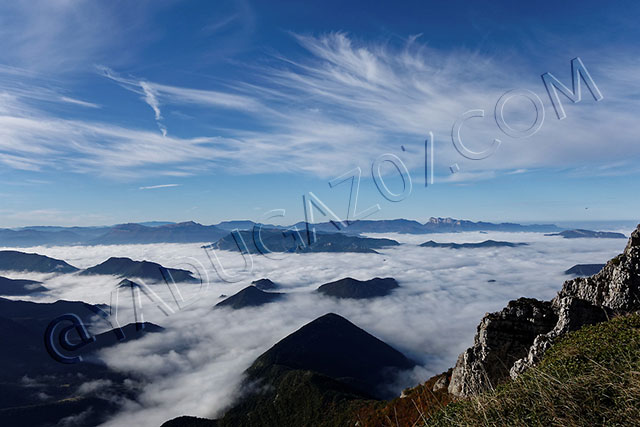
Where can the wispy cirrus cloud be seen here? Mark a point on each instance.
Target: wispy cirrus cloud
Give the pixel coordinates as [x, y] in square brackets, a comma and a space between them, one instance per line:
[150, 97]
[184, 95]
[79, 102]
[153, 187]
[152, 92]
[57, 37]
[339, 104]
[20, 86]
[346, 102]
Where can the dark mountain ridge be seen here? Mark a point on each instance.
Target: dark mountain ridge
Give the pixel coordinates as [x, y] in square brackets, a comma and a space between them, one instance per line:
[251, 296]
[312, 377]
[588, 234]
[333, 346]
[191, 232]
[584, 269]
[30, 371]
[18, 287]
[484, 244]
[264, 284]
[128, 268]
[280, 241]
[356, 289]
[21, 261]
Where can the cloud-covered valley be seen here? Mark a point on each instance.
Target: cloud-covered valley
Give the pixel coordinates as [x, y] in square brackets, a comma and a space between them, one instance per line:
[195, 366]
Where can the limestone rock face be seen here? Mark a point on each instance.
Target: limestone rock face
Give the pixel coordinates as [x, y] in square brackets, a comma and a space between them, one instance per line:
[442, 382]
[510, 341]
[502, 338]
[617, 286]
[572, 314]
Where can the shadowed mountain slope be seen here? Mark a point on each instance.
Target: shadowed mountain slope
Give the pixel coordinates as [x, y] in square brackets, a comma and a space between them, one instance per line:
[579, 234]
[317, 376]
[250, 296]
[335, 347]
[35, 263]
[38, 391]
[272, 240]
[126, 267]
[16, 287]
[584, 269]
[352, 288]
[264, 284]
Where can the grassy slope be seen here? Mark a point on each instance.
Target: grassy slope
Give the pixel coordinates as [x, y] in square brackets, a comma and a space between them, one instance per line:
[412, 409]
[296, 398]
[590, 377]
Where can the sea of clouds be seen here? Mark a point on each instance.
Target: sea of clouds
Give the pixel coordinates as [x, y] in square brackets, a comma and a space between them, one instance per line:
[195, 366]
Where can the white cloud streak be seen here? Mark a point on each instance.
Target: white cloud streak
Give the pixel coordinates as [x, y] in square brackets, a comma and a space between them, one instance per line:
[150, 97]
[153, 187]
[79, 102]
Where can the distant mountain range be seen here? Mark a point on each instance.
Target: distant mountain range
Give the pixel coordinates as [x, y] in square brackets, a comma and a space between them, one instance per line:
[145, 233]
[191, 232]
[434, 225]
[578, 234]
[238, 225]
[34, 236]
[185, 232]
[329, 363]
[356, 289]
[485, 244]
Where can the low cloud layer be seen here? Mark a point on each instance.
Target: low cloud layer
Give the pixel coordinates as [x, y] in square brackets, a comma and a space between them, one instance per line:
[195, 366]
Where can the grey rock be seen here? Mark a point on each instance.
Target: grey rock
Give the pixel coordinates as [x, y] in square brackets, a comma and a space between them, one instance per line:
[443, 381]
[501, 339]
[572, 313]
[616, 286]
[509, 342]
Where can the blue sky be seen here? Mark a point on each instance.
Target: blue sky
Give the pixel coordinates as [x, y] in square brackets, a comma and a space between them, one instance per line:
[131, 111]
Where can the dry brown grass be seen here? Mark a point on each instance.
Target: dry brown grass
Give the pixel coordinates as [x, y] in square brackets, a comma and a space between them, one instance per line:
[591, 377]
[413, 409]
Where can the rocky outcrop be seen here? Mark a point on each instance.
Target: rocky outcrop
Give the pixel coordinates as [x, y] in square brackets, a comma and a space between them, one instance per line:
[616, 286]
[502, 338]
[510, 341]
[572, 314]
[442, 381]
